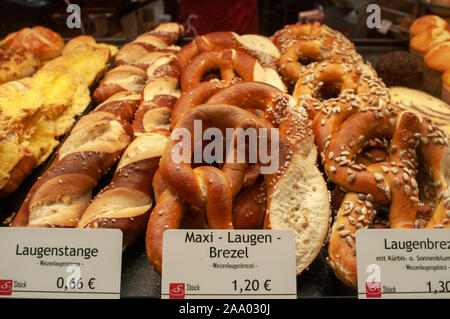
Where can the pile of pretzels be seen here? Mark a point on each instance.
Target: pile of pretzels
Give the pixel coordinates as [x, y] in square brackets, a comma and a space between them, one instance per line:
[347, 157]
[388, 167]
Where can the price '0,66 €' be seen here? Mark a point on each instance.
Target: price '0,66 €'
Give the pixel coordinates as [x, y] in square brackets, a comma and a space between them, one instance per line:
[439, 286]
[73, 283]
[251, 285]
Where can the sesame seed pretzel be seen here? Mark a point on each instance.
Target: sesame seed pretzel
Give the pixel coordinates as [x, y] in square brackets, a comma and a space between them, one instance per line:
[333, 77]
[391, 183]
[302, 44]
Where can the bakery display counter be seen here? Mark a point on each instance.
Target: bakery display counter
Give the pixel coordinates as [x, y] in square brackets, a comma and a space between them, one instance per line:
[86, 141]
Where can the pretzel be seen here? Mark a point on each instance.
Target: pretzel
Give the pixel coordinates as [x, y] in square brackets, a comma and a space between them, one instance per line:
[195, 96]
[330, 114]
[257, 46]
[126, 202]
[274, 105]
[302, 44]
[219, 191]
[160, 39]
[63, 192]
[132, 60]
[390, 183]
[324, 81]
[119, 79]
[231, 63]
[303, 52]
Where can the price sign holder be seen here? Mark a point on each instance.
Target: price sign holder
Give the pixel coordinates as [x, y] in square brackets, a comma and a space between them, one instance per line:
[60, 263]
[403, 263]
[238, 264]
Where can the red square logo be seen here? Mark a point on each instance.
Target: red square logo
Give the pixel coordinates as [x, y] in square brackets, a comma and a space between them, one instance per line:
[5, 287]
[373, 289]
[176, 291]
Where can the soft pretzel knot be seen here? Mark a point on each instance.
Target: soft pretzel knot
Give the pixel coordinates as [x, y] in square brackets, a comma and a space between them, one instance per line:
[232, 64]
[213, 189]
[325, 81]
[269, 103]
[92, 148]
[330, 114]
[160, 39]
[257, 46]
[279, 108]
[390, 183]
[302, 44]
[198, 95]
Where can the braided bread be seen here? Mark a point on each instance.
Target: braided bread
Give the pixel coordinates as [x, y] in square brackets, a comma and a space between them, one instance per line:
[119, 79]
[126, 202]
[133, 59]
[160, 39]
[63, 192]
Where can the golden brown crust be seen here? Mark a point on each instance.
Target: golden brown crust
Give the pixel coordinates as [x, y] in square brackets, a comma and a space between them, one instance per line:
[302, 44]
[437, 58]
[426, 22]
[126, 202]
[119, 79]
[158, 40]
[425, 41]
[42, 42]
[231, 63]
[91, 149]
[225, 40]
[16, 63]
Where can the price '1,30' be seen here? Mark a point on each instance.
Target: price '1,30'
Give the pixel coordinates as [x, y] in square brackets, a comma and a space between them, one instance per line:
[249, 285]
[439, 287]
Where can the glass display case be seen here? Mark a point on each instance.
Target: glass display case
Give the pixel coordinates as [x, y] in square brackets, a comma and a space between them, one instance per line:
[97, 89]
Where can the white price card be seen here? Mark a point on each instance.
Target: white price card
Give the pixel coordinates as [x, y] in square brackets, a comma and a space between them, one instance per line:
[240, 264]
[60, 263]
[403, 263]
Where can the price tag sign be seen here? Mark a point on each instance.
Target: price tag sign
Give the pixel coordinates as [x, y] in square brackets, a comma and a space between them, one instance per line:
[60, 263]
[228, 264]
[403, 263]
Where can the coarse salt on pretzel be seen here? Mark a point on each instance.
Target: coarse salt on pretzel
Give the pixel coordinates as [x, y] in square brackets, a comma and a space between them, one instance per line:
[160, 39]
[196, 96]
[125, 203]
[255, 45]
[231, 64]
[215, 188]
